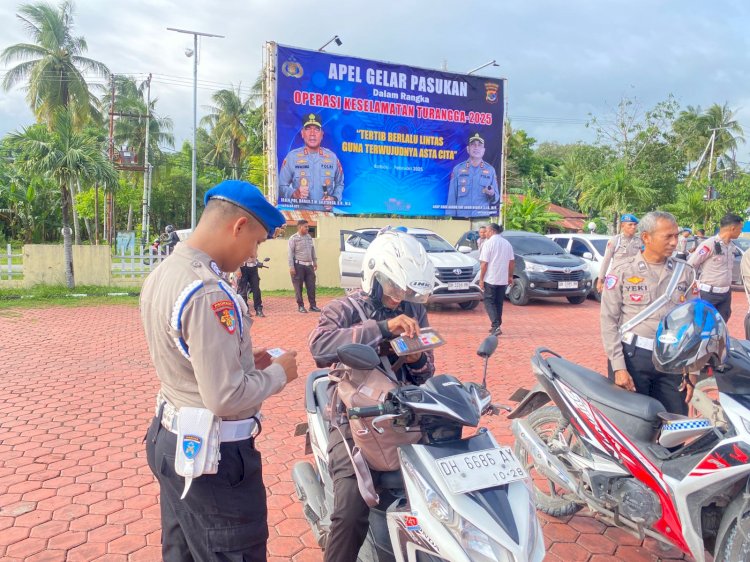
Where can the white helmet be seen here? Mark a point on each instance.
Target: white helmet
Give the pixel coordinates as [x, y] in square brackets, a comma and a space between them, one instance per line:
[399, 263]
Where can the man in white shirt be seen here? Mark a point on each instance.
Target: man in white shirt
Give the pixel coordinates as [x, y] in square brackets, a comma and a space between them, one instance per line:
[496, 259]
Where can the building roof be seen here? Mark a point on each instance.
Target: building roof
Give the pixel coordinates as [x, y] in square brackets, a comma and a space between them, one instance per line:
[571, 221]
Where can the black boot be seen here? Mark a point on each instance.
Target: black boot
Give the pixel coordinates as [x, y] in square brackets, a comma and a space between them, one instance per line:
[259, 312]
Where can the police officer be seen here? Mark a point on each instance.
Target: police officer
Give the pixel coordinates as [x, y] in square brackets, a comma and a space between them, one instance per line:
[249, 283]
[198, 334]
[303, 263]
[682, 243]
[473, 190]
[715, 258]
[745, 273]
[311, 177]
[621, 246]
[630, 288]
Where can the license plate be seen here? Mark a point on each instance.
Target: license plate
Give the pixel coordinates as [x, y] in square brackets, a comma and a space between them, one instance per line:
[458, 286]
[567, 284]
[469, 472]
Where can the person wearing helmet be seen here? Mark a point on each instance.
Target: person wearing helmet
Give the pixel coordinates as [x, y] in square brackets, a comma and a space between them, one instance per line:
[624, 245]
[690, 337]
[397, 280]
[638, 292]
[171, 238]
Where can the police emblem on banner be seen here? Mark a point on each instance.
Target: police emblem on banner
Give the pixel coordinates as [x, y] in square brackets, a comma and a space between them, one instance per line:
[191, 445]
[292, 69]
[491, 92]
[226, 314]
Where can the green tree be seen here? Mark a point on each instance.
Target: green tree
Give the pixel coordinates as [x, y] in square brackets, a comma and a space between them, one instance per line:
[530, 214]
[227, 121]
[67, 156]
[53, 65]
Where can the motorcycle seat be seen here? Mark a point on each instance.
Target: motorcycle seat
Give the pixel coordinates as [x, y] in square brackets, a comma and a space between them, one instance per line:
[600, 389]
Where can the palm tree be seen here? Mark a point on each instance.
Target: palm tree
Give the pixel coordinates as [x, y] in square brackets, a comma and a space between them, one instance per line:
[613, 189]
[67, 156]
[228, 125]
[530, 214]
[729, 132]
[53, 64]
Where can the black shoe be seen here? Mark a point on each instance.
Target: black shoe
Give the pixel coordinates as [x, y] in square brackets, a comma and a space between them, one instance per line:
[302, 309]
[498, 331]
[492, 329]
[259, 313]
[314, 309]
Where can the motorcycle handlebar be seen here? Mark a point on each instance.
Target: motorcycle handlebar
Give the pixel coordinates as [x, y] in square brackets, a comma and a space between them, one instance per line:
[370, 411]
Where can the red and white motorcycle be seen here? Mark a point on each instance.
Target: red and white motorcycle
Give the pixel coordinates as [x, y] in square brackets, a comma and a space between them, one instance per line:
[682, 481]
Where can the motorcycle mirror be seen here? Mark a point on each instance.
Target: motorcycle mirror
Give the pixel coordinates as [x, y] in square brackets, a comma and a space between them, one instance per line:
[488, 346]
[267, 259]
[358, 356]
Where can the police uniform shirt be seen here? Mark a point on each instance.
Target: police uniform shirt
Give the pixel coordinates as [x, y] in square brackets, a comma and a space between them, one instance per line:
[198, 334]
[745, 272]
[301, 249]
[631, 286]
[682, 244]
[618, 248]
[318, 170]
[715, 269]
[465, 192]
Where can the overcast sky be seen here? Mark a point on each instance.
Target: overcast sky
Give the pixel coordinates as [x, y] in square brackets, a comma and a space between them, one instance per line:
[563, 60]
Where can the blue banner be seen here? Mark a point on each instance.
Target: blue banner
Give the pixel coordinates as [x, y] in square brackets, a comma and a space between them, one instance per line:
[356, 136]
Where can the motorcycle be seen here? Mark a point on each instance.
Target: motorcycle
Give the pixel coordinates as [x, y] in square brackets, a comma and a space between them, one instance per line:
[454, 499]
[679, 480]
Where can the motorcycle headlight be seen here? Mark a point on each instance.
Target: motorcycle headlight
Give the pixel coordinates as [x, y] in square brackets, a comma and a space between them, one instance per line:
[536, 267]
[436, 503]
[479, 546]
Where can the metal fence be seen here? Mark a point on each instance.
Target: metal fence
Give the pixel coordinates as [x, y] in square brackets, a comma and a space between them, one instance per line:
[138, 263]
[9, 269]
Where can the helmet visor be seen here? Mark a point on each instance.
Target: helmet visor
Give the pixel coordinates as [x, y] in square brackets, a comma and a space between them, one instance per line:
[416, 291]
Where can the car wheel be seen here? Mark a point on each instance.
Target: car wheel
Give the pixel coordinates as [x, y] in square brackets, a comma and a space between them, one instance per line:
[577, 300]
[596, 295]
[518, 294]
[471, 305]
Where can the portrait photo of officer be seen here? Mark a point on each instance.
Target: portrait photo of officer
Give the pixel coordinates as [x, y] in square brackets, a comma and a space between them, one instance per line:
[473, 190]
[311, 175]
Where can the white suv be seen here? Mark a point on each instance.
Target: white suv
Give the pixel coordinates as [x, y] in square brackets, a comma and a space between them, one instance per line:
[590, 247]
[456, 274]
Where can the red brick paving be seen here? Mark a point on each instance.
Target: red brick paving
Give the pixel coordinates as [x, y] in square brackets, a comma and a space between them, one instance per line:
[76, 396]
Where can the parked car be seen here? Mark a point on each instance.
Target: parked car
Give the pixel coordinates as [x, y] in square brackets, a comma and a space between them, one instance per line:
[456, 274]
[589, 247]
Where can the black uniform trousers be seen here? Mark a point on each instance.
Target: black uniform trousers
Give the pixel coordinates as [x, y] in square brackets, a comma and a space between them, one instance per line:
[350, 517]
[722, 302]
[224, 516]
[304, 274]
[250, 283]
[494, 297]
[664, 387]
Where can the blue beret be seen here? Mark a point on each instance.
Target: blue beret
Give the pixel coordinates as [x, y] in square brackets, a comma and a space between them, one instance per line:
[628, 218]
[248, 198]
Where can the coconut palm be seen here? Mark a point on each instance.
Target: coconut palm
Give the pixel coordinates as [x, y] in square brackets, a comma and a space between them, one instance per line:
[53, 65]
[228, 125]
[67, 156]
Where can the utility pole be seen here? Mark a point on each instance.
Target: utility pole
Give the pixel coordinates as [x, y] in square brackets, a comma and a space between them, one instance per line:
[194, 54]
[147, 170]
[109, 211]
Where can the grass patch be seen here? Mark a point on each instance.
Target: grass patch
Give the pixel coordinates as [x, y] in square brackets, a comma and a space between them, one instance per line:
[319, 291]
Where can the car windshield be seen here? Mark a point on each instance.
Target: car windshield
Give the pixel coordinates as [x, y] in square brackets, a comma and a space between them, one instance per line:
[742, 243]
[534, 245]
[600, 245]
[433, 243]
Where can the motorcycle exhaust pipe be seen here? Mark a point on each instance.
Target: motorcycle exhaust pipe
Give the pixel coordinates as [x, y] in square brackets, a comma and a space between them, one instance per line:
[310, 493]
[544, 462]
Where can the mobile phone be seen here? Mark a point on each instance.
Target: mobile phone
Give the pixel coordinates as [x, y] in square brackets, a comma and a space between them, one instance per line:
[427, 338]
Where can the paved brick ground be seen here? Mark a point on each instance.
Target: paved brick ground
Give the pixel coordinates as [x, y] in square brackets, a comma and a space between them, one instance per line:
[76, 394]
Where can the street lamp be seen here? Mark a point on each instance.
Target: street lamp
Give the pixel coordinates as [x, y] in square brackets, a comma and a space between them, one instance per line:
[194, 53]
[331, 40]
[492, 63]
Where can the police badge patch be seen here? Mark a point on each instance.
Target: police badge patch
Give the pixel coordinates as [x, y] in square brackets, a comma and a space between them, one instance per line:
[215, 268]
[610, 281]
[226, 314]
[191, 446]
[703, 251]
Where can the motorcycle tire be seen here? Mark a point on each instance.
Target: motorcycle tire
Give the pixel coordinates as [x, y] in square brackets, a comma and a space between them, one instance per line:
[733, 540]
[547, 502]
